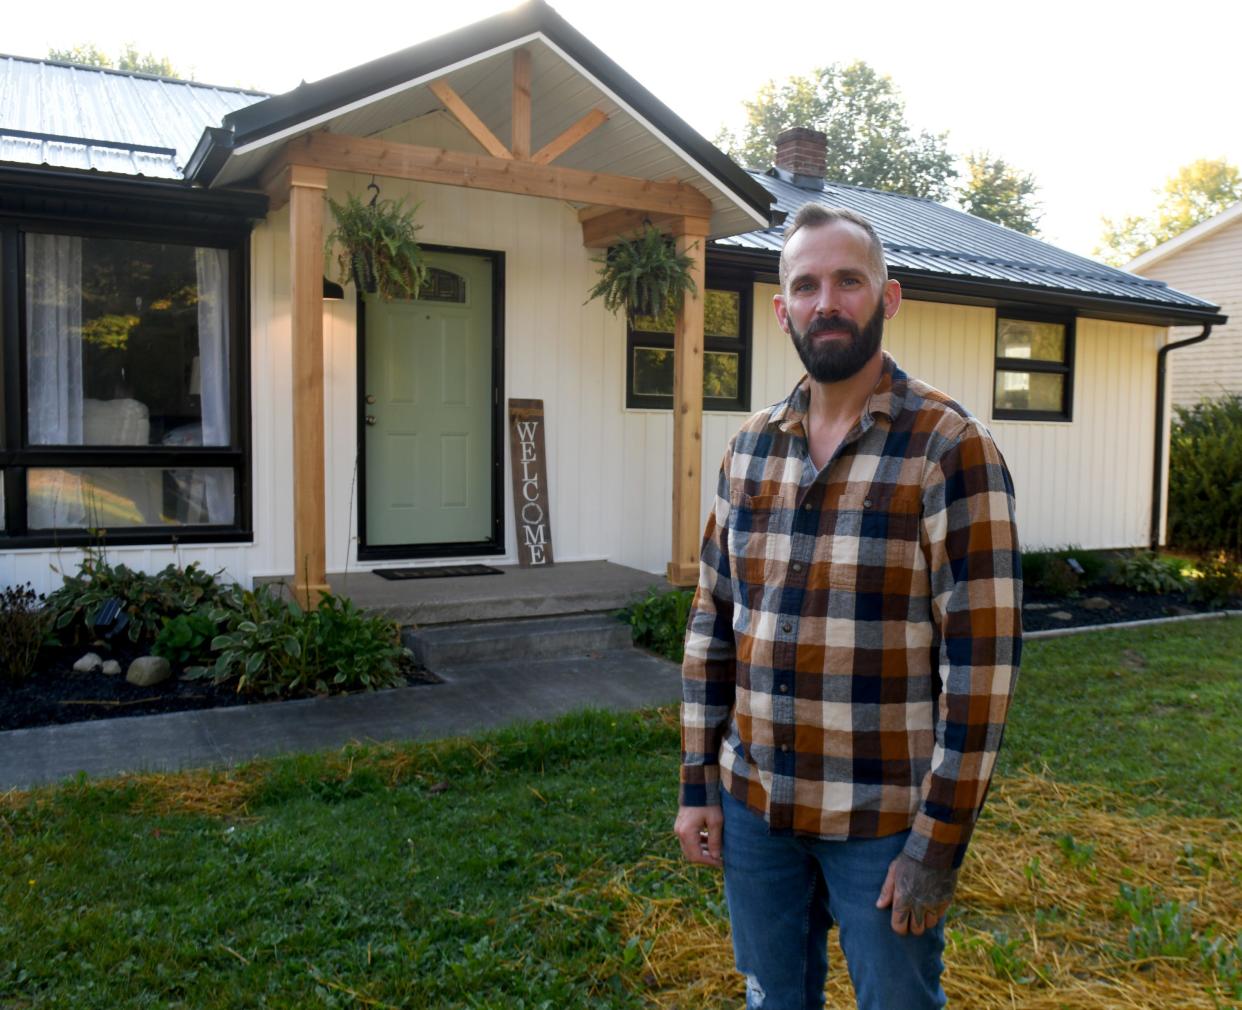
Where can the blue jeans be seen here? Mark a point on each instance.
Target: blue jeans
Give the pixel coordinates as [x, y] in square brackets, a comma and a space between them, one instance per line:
[785, 892]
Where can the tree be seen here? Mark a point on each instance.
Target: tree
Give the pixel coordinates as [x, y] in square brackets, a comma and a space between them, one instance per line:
[1197, 192]
[869, 141]
[996, 191]
[130, 59]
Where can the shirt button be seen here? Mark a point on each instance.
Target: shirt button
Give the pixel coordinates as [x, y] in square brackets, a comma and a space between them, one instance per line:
[797, 566]
[786, 627]
[866, 503]
[807, 506]
[784, 748]
[784, 689]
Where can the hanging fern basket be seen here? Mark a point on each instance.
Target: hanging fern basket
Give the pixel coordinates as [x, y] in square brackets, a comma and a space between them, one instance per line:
[376, 247]
[644, 276]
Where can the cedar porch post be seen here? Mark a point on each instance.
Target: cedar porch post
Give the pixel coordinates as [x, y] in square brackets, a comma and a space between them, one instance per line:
[683, 569]
[307, 187]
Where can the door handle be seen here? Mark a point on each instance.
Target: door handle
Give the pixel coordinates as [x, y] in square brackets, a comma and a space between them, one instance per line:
[370, 419]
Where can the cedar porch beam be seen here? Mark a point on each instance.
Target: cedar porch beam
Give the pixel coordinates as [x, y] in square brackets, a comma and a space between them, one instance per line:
[603, 227]
[557, 146]
[462, 112]
[279, 177]
[520, 133]
[683, 569]
[305, 193]
[366, 155]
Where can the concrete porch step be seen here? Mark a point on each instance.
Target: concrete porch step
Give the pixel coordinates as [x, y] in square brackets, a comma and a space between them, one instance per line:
[450, 645]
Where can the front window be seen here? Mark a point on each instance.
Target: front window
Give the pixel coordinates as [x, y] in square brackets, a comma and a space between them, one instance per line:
[130, 388]
[726, 337]
[1034, 369]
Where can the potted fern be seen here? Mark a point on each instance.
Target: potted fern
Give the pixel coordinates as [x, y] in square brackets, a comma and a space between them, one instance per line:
[377, 247]
[644, 276]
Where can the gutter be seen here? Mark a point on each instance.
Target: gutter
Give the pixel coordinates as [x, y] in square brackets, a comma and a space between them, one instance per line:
[1158, 467]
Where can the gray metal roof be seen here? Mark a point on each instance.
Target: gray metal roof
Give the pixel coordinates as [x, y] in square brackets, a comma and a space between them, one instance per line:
[63, 115]
[925, 238]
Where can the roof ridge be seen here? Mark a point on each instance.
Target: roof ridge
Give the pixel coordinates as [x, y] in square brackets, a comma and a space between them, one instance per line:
[138, 74]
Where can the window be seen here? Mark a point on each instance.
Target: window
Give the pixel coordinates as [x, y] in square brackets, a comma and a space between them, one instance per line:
[726, 353]
[1034, 368]
[123, 379]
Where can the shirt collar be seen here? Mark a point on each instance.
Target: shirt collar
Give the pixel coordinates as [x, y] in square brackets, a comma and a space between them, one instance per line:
[887, 398]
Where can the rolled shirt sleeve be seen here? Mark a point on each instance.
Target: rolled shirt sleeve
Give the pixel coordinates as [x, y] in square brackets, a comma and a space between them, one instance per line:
[975, 569]
[708, 670]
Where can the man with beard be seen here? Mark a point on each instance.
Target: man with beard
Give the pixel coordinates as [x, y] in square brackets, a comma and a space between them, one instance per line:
[852, 648]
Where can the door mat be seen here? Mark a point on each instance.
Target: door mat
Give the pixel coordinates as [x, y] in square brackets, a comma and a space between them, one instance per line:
[436, 572]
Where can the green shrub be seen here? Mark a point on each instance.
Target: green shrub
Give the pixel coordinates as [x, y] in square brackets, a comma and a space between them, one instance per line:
[185, 638]
[272, 646]
[1218, 583]
[23, 625]
[1049, 571]
[104, 599]
[658, 621]
[1147, 572]
[1205, 476]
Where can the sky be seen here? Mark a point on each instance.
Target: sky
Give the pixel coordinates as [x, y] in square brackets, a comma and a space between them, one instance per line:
[1101, 102]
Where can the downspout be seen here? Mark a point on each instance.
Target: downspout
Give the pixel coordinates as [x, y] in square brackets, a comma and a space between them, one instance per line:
[1157, 472]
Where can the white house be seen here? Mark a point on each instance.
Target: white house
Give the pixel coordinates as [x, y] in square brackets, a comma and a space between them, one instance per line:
[173, 376]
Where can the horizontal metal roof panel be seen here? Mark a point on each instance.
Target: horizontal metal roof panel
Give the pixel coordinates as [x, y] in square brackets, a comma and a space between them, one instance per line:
[930, 238]
[67, 116]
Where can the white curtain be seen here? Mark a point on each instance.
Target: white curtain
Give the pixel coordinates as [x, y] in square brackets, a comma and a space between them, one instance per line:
[213, 370]
[54, 338]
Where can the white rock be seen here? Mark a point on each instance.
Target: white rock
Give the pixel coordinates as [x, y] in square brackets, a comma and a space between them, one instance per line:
[146, 671]
[111, 667]
[88, 663]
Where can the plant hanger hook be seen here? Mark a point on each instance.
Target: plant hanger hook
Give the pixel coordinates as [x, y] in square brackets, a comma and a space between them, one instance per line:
[375, 195]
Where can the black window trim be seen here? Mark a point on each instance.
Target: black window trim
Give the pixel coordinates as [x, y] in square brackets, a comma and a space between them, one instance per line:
[1066, 368]
[743, 345]
[17, 456]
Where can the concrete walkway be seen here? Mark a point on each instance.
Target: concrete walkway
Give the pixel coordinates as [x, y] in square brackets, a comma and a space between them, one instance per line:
[475, 697]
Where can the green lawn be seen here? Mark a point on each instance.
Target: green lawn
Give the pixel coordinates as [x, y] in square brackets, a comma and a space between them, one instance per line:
[504, 871]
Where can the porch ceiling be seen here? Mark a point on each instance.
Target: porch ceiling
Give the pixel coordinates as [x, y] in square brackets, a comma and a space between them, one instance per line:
[562, 92]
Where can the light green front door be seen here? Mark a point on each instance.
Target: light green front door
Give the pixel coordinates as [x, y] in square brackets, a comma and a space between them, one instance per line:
[428, 410]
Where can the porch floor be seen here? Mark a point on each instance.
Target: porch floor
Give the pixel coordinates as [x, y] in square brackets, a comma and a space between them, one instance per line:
[574, 587]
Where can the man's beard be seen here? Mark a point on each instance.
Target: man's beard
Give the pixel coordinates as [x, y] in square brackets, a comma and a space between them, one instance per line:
[837, 359]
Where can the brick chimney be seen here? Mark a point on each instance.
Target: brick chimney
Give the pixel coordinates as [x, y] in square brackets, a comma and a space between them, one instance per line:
[801, 157]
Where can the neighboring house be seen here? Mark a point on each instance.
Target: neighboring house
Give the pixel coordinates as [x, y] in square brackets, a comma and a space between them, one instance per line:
[1206, 259]
[173, 375]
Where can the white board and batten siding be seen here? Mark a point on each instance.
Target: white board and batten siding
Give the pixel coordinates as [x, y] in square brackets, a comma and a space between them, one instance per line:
[1209, 268]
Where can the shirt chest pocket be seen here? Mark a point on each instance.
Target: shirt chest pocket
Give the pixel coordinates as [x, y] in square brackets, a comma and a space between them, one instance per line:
[758, 536]
[874, 541]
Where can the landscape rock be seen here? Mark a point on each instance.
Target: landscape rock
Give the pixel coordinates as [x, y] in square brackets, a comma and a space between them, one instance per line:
[1062, 615]
[1096, 603]
[146, 671]
[88, 663]
[1038, 606]
[111, 667]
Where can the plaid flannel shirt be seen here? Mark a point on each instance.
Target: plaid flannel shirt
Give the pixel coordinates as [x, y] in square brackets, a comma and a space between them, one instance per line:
[856, 633]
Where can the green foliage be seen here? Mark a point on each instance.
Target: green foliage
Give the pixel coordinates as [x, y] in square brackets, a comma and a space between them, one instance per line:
[23, 625]
[185, 638]
[1197, 192]
[1158, 928]
[658, 621]
[1148, 572]
[273, 647]
[90, 55]
[864, 117]
[644, 276]
[1205, 476]
[1217, 581]
[996, 191]
[145, 601]
[378, 248]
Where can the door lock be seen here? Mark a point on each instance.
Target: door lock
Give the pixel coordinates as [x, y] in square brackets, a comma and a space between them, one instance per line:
[370, 397]
[370, 419]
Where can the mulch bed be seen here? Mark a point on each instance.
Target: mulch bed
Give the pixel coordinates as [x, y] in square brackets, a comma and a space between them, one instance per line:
[57, 694]
[1123, 605]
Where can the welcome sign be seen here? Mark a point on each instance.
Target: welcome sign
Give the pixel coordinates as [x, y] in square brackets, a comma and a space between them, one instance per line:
[530, 483]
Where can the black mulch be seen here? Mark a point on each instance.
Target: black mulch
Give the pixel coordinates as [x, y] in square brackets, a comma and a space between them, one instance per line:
[1123, 605]
[55, 694]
